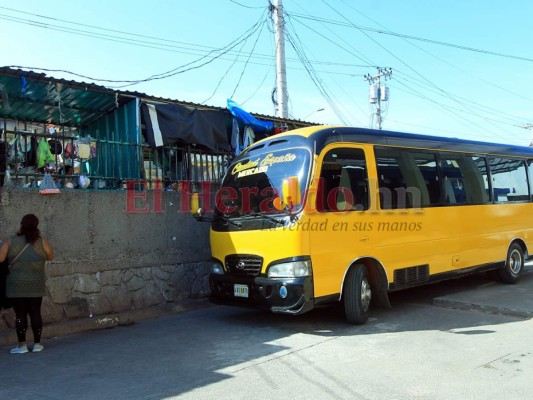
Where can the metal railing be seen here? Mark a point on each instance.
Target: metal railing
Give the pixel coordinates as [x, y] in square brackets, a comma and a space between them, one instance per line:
[108, 164]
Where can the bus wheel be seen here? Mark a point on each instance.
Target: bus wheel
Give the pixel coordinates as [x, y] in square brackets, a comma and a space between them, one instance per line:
[514, 265]
[357, 295]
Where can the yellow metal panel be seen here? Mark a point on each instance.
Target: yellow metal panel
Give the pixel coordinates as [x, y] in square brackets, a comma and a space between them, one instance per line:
[272, 245]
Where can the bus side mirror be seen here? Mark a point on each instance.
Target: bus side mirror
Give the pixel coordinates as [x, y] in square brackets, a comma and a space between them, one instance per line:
[194, 206]
[290, 191]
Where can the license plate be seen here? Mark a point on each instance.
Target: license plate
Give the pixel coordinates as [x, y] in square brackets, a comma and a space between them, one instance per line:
[240, 290]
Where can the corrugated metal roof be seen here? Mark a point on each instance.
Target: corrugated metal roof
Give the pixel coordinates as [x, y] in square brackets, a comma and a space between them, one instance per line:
[36, 97]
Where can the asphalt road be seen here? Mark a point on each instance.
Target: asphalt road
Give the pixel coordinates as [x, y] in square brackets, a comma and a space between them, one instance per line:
[415, 351]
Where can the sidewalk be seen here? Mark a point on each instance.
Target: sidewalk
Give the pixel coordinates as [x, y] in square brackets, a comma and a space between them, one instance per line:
[496, 298]
[67, 327]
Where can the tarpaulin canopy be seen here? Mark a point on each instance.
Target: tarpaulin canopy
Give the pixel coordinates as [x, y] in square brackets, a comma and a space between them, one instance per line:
[248, 119]
[168, 124]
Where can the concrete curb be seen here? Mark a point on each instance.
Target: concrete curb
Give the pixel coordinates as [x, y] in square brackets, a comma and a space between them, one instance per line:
[107, 321]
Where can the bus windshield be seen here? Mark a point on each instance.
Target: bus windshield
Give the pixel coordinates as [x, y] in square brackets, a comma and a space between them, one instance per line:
[251, 184]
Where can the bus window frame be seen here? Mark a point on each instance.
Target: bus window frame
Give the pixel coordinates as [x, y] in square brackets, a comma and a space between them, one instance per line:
[525, 164]
[319, 169]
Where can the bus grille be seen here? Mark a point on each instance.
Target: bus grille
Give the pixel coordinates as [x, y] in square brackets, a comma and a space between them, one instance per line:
[411, 276]
[244, 264]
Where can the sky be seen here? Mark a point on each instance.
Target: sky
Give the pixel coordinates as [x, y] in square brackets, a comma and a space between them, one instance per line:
[459, 68]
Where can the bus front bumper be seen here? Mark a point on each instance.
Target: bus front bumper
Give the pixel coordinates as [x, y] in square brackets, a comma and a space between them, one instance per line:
[280, 295]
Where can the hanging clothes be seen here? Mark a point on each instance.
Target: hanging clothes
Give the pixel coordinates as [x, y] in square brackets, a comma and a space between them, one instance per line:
[235, 137]
[249, 136]
[44, 155]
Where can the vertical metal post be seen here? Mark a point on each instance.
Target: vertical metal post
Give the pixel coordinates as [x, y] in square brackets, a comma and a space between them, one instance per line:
[281, 71]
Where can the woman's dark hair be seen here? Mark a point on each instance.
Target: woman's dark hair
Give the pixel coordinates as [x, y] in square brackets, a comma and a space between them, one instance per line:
[28, 228]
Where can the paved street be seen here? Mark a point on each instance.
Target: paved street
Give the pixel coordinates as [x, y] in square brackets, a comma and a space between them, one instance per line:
[418, 350]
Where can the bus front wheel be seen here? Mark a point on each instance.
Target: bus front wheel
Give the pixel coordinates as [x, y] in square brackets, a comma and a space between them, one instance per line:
[514, 265]
[357, 295]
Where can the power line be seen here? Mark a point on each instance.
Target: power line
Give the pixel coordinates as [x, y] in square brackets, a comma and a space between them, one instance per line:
[452, 111]
[244, 68]
[404, 63]
[175, 46]
[298, 48]
[427, 81]
[179, 70]
[225, 74]
[439, 58]
[411, 37]
[414, 81]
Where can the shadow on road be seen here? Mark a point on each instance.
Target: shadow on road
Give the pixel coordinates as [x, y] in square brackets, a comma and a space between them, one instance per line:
[180, 353]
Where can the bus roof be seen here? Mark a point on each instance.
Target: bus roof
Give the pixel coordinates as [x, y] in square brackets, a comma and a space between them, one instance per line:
[324, 135]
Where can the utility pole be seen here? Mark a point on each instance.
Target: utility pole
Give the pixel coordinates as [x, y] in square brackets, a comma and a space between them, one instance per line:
[281, 72]
[379, 92]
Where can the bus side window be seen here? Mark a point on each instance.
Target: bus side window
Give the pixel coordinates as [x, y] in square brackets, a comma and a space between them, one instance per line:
[343, 181]
[426, 165]
[407, 179]
[390, 178]
[474, 170]
[509, 179]
[454, 186]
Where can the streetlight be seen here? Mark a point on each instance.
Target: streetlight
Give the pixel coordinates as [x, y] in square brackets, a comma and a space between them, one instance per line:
[312, 112]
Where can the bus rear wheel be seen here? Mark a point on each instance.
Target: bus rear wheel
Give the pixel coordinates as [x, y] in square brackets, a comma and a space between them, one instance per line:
[514, 265]
[357, 295]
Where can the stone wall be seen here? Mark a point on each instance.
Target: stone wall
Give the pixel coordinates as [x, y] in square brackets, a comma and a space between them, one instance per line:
[112, 258]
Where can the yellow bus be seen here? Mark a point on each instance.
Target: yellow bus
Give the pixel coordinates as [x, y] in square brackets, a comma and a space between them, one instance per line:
[328, 214]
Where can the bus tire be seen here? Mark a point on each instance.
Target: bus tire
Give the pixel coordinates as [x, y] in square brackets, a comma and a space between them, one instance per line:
[514, 265]
[357, 295]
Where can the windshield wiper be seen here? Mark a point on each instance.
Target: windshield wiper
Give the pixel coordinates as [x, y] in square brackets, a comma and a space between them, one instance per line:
[228, 221]
[277, 221]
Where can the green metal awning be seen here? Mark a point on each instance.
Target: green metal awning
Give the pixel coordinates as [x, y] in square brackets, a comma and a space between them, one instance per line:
[35, 97]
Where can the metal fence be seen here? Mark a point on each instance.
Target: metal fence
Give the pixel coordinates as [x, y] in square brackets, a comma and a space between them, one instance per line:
[28, 151]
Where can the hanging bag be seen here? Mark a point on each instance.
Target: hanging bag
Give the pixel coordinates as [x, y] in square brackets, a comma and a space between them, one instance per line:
[16, 258]
[5, 302]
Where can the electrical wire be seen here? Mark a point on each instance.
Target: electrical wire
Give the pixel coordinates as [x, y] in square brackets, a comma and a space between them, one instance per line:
[242, 5]
[246, 64]
[179, 70]
[272, 47]
[452, 111]
[183, 47]
[411, 37]
[470, 108]
[225, 74]
[403, 62]
[493, 112]
[318, 82]
[439, 58]
[298, 48]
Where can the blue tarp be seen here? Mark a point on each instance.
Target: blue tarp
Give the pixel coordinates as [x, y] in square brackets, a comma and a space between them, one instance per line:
[248, 119]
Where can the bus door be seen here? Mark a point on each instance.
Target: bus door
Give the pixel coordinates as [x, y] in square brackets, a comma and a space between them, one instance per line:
[339, 224]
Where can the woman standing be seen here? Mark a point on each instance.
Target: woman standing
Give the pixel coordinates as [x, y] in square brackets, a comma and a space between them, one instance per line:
[25, 285]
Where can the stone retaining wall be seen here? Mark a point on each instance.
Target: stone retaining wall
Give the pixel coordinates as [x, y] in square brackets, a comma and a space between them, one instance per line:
[109, 259]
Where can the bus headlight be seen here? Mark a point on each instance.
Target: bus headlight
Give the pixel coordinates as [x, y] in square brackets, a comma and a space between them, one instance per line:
[293, 269]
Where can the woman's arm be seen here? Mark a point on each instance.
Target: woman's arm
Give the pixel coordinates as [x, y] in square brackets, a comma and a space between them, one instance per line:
[4, 249]
[48, 250]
